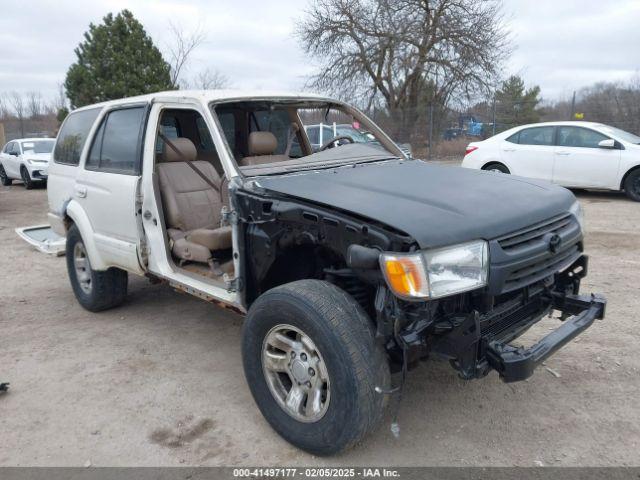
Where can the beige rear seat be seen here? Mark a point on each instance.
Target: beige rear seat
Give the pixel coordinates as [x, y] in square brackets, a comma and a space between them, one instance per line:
[262, 146]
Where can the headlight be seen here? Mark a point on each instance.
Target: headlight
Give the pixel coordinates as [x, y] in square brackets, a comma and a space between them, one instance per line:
[577, 211]
[437, 273]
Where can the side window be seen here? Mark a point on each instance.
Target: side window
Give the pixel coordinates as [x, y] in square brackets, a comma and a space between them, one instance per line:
[579, 137]
[312, 133]
[206, 142]
[73, 136]
[536, 136]
[228, 123]
[16, 148]
[117, 147]
[515, 138]
[8, 149]
[170, 128]
[327, 134]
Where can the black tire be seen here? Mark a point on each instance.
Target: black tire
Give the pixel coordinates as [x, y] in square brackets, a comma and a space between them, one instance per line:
[355, 363]
[496, 167]
[632, 185]
[108, 289]
[6, 181]
[26, 178]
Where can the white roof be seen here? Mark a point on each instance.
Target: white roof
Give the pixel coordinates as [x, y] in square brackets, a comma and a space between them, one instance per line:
[574, 123]
[34, 139]
[215, 95]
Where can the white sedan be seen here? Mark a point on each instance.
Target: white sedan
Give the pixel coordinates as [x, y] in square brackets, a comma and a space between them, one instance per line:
[571, 154]
[26, 159]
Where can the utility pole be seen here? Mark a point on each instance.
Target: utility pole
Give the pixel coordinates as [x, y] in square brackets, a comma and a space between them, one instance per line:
[493, 111]
[430, 130]
[573, 106]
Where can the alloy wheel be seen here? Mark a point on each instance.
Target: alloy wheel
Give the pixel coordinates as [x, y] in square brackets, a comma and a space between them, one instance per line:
[296, 373]
[82, 267]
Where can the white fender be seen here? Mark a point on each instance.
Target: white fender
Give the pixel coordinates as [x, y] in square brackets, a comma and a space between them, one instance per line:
[80, 218]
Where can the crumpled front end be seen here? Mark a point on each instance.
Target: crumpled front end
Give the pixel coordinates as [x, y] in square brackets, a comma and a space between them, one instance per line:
[532, 273]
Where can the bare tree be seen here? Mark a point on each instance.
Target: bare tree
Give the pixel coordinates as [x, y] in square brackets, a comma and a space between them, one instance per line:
[34, 104]
[612, 103]
[19, 109]
[400, 54]
[209, 79]
[60, 101]
[180, 48]
[4, 109]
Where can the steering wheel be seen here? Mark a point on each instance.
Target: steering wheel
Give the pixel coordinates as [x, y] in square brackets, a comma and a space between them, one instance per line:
[333, 142]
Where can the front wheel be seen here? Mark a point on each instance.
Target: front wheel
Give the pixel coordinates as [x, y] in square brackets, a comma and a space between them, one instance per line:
[632, 186]
[95, 290]
[496, 167]
[26, 178]
[4, 179]
[312, 364]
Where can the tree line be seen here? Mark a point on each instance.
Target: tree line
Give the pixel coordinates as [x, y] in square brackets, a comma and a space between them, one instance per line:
[415, 66]
[116, 59]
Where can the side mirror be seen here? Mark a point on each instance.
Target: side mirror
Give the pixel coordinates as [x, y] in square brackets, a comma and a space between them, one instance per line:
[608, 143]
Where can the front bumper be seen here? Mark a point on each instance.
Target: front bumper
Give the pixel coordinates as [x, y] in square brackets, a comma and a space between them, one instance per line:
[38, 171]
[517, 363]
[477, 343]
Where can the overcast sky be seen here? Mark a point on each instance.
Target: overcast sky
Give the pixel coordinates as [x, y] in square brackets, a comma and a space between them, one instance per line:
[560, 45]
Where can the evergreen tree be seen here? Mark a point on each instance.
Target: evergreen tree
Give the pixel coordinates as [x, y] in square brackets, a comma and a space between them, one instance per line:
[116, 59]
[516, 105]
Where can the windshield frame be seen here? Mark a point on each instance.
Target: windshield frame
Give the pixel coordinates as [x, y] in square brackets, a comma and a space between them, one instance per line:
[298, 164]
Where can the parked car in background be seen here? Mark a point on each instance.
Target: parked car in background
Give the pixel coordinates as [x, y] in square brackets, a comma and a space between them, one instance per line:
[571, 154]
[27, 160]
[320, 134]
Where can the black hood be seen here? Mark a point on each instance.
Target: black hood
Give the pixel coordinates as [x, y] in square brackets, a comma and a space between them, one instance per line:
[435, 205]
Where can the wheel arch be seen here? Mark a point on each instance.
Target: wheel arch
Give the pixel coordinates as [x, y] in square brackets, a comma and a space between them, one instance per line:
[626, 175]
[308, 260]
[74, 214]
[493, 161]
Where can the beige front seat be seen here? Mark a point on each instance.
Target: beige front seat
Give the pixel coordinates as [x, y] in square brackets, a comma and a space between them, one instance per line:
[192, 206]
[262, 146]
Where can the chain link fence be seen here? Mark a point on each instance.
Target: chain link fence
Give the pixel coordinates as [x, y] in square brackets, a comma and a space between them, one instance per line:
[436, 132]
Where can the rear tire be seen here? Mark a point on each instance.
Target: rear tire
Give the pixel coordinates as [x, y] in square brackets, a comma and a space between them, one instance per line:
[6, 181]
[632, 185]
[26, 178]
[337, 333]
[94, 290]
[496, 167]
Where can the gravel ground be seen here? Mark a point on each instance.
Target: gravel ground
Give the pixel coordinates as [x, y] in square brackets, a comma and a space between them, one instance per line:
[159, 380]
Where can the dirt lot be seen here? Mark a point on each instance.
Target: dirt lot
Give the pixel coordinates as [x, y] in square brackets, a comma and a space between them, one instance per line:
[159, 380]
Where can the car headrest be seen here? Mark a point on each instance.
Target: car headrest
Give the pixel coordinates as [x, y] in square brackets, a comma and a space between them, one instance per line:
[262, 143]
[186, 150]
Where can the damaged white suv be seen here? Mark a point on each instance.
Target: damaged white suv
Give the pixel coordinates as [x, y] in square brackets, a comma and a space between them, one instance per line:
[350, 260]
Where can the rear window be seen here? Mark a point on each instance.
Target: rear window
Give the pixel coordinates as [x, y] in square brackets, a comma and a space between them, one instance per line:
[73, 136]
